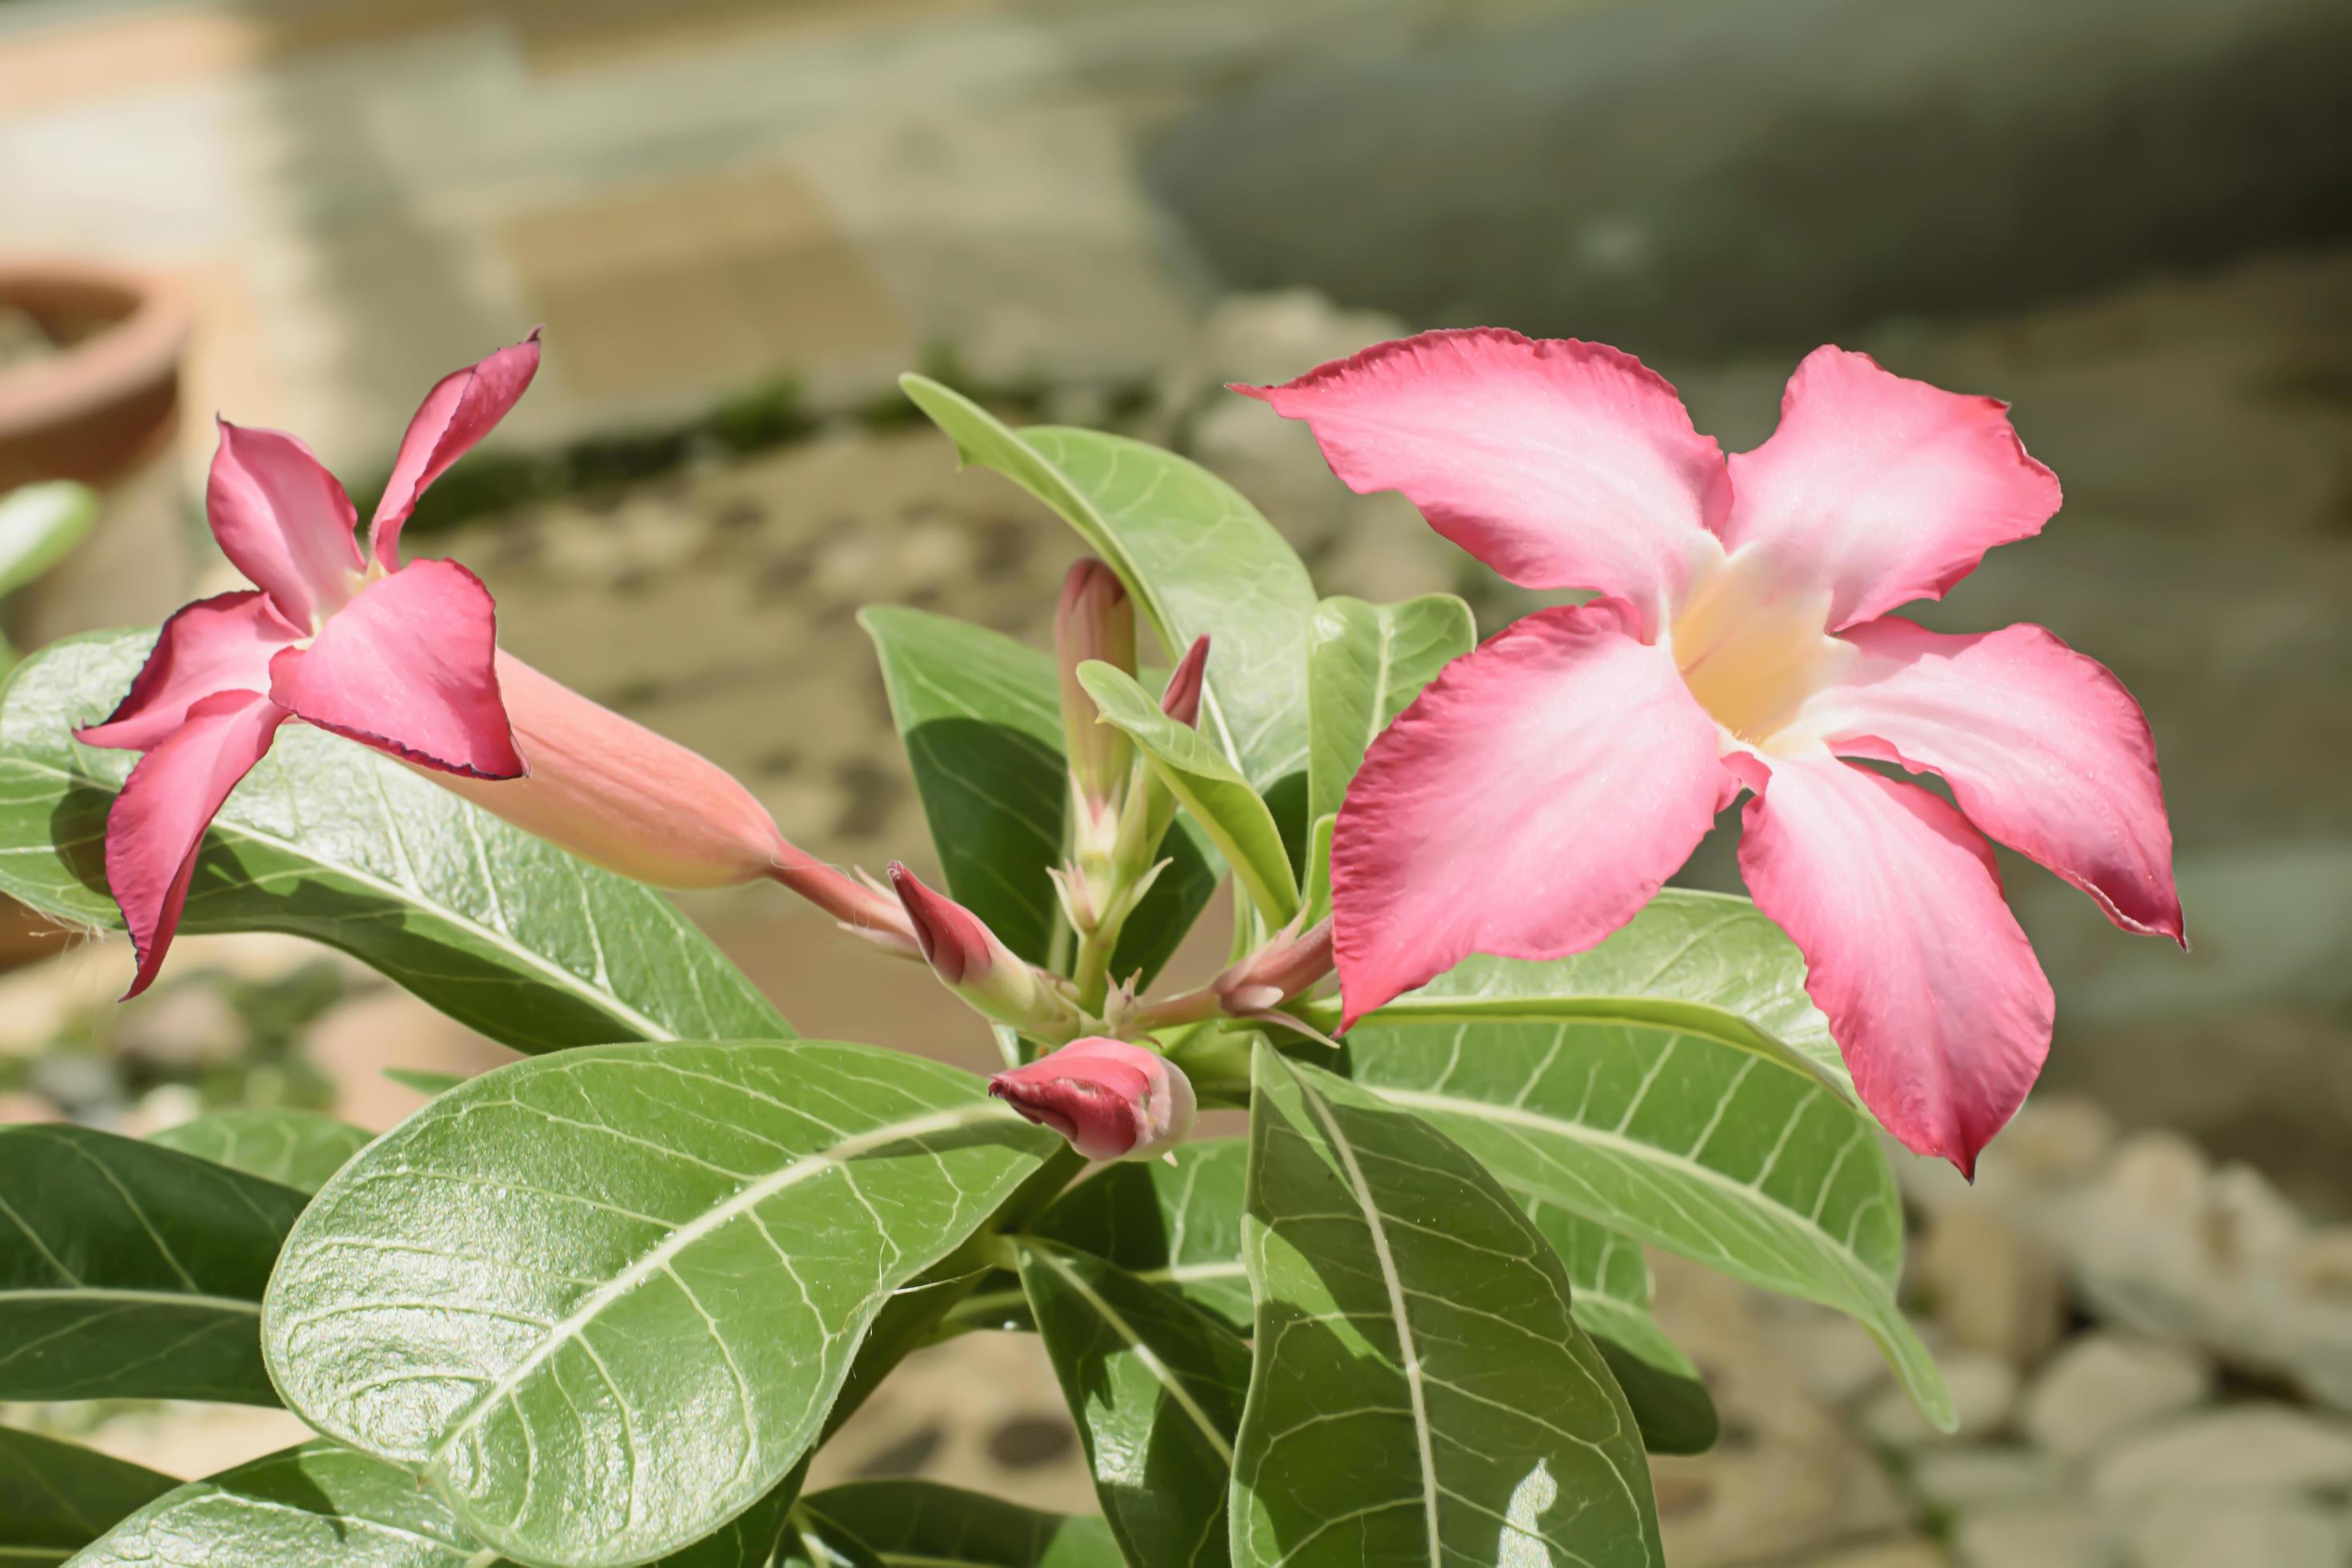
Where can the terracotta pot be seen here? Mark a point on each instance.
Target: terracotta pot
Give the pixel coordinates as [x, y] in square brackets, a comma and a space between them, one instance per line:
[109, 398]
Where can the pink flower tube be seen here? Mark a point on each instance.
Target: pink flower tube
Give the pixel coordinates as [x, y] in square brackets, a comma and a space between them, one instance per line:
[404, 659]
[1111, 1099]
[1544, 786]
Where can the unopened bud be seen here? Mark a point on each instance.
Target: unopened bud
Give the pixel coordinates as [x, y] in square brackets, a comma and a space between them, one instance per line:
[1111, 1099]
[1284, 968]
[972, 961]
[1096, 619]
[1181, 701]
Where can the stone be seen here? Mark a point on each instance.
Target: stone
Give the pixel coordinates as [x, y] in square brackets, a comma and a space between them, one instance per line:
[1977, 1476]
[1888, 1555]
[2064, 1138]
[1995, 1289]
[2248, 1449]
[2161, 1171]
[2062, 1533]
[2248, 1222]
[2199, 1532]
[1984, 1392]
[2105, 1385]
[2322, 1265]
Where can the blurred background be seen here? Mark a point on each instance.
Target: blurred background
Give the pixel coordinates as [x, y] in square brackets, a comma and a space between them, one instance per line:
[737, 221]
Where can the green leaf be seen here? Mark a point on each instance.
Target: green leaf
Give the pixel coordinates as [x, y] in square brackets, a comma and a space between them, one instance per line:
[1176, 1226]
[1708, 965]
[922, 1524]
[323, 1503]
[39, 526]
[1196, 556]
[1610, 1280]
[330, 840]
[1156, 1388]
[1422, 1392]
[1366, 665]
[57, 1498]
[297, 1149]
[423, 1082]
[131, 1272]
[979, 715]
[1316, 885]
[1223, 802]
[605, 1300]
[1638, 1098]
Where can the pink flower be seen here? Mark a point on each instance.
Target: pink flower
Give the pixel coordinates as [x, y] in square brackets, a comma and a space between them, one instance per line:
[1545, 785]
[402, 658]
[1112, 1100]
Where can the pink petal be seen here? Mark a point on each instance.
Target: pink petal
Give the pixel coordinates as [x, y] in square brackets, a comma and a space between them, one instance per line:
[284, 521]
[222, 644]
[1884, 490]
[463, 406]
[409, 668]
[1931, 990]
[2044, 748]
[156, 824]
[1527, 803]
[1560, 464]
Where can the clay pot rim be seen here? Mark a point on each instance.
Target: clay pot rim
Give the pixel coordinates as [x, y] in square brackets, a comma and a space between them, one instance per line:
[139, 349]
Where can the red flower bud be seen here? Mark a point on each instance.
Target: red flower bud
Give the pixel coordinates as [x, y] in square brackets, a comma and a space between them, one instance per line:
[972, 961]
[1182, 701]
[1096, 620]
[1111, 1099]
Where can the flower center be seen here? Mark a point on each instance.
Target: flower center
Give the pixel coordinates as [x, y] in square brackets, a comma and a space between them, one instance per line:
[1751, 648]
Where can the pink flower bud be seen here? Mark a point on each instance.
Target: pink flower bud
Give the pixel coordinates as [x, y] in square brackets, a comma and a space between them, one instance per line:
[972, 961]
[1111, 1099]
[1181, 701]
[1282, 969]
[615, 793]
[1096, 620]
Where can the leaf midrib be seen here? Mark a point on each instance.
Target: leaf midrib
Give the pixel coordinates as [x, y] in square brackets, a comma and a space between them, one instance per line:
[135, 1298]
[1116, 1322]
[501, 941]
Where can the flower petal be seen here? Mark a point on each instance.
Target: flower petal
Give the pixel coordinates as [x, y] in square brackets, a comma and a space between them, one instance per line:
[1931, 990]
[1560, 464]
[463, 406]
[284, 521]
[221, 644]
[1884, 489]
[1527, 803]
[2044, 748]
[409, 668]
[156, 824]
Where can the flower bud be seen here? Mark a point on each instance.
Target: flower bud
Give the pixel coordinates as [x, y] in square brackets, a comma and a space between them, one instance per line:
[1111, 1099]
[1096, 619]
[1282, 969]
[615, 793]
[972, 961]
[1181, 701]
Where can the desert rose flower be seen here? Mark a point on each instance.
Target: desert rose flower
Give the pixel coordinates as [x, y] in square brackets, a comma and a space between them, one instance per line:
[973, 961]
[1111, 1099]
[1545, 785]
[404, 660]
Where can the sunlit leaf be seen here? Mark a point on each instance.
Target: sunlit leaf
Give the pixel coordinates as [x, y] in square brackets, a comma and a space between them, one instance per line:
[1611, 1280]
[39, 526]
[1422, 1392]
[1198, 559]
[604, 1301]
[1366, 665]
[297, 1149]
[131, 1271]
[332, 841]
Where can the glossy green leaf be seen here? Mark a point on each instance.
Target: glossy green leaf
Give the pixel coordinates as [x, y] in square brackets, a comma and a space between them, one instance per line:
[128, 1271]
[605, 1300]
[980, 716]
[1197, 556]
[1365, 666]
[1611, 1280]
[297, 1149]
[1706, 965]
[1156, 1386]
[922, 1524]
[1643, 1097]
[1422, 1392]
[330, 840]
[39, 526]
[57, 1498]
[323, 1503]
[1237, 820]
[1315, 892]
